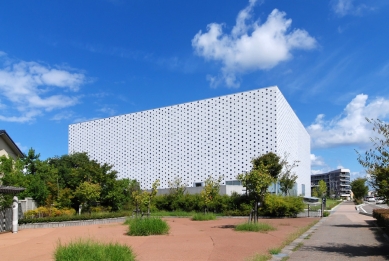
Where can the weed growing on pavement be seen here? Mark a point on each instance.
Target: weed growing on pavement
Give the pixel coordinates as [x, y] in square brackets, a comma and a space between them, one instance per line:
[297, 247]
[275, 251]
[255, 227]
[259, 257]
[89, 250]
[147, 226]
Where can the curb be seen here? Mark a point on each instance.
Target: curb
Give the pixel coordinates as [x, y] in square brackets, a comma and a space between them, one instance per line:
[287, 250]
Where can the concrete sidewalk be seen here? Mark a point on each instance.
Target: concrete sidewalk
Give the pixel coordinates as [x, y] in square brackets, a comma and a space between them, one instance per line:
[344, 235]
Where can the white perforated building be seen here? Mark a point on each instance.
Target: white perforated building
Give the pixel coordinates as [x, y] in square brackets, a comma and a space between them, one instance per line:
[217, 137]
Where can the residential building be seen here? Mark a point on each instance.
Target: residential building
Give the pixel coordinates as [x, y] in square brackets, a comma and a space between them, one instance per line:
[8, 147]
[212, 137]
[337, 181]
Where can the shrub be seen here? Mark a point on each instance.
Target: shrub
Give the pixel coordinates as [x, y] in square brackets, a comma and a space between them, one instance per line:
[326, 213]
[255, 227]
[147, 226]
[88, 250]
[279, 206]
[42, 212]
[203, 217]
[382, 216]
[171, 214]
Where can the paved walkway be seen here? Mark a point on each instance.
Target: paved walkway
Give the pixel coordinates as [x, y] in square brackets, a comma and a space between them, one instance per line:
[344, 235]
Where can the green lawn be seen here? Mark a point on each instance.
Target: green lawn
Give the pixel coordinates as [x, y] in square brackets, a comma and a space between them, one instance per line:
[329, 204]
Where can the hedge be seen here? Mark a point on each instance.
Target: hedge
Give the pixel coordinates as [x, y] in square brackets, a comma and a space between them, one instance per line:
[279, 206]
[75, 217]
[382, 216]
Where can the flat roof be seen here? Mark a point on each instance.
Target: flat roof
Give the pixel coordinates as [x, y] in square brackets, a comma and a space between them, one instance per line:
[10, 189]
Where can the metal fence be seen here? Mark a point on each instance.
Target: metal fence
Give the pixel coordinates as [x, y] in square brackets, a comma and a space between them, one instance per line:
[311, 210]
[5, 220]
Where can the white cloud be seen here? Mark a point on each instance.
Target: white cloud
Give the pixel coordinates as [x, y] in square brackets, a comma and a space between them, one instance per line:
[250, 45]
[350, 127]
[84, 119]
[63, 115]
[319, 171]
[107, 110]
[27, 89]
[349, 7]
[317, 161]
[21, 147]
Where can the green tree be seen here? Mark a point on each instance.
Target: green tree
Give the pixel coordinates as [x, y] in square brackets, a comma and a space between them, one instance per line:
[321, 189]
[74, 169]
[11, 174]
[119, 195]
[376, 159]
[271, 161]
[287, 178]
[87, 193]
[144, 199]
[210, 192]
[359, 188]
[176, 187]
[30, 162]
[257, 182]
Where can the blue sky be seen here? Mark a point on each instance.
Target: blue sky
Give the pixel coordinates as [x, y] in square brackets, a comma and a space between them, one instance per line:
[63, 62]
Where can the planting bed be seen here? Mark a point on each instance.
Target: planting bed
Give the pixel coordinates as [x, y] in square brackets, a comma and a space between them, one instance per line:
[187, 240]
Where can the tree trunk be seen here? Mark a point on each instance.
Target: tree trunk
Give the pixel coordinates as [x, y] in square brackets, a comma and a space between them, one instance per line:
[256, 212]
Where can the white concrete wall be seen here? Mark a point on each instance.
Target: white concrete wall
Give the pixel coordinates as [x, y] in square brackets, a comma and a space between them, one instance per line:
[217, 137]
[294, 140]
[224, 190]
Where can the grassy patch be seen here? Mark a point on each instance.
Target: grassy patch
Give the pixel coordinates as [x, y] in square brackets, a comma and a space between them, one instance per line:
[259, 257]
[275, 251]
[298, 246]
[326, 213]
[203, 217]
[147, 226]
[255, 227]
[332, 203]
[89, 250]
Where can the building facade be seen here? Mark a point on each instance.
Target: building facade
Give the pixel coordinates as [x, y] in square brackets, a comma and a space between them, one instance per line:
[337, 181]
[8, 147]
[212, 137]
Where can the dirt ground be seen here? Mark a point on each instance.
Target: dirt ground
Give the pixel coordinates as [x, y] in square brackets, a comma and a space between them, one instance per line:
[187, 240]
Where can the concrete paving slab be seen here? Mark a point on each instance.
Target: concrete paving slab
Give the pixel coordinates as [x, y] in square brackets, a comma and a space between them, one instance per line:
[344, 235]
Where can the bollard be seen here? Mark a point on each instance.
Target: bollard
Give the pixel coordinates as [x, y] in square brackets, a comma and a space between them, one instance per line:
[15, 216]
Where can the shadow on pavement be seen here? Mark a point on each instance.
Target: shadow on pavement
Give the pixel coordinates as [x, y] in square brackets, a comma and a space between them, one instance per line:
[371, 225]
[351, 250]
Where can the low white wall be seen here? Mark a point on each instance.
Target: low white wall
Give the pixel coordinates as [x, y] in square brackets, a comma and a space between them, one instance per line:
[224, 190]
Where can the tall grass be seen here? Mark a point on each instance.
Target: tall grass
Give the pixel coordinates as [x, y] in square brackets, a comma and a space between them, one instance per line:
[147, 226]
[203, 217]
[255, 227]
[89, 250]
